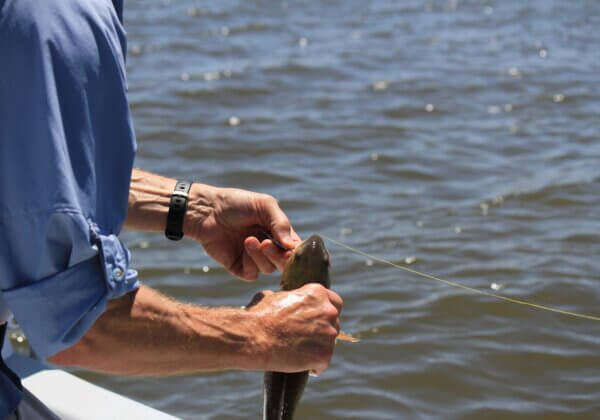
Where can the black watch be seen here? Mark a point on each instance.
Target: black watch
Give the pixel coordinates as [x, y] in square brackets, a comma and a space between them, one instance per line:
[177, 208]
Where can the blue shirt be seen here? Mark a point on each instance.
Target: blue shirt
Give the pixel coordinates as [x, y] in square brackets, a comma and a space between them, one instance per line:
[66, 154]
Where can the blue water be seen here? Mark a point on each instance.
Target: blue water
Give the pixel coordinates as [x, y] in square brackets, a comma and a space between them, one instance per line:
[461, 137]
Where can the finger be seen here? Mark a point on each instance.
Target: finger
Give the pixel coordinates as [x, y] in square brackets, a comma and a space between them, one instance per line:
[322, 366]
[296, 240]
[285, 235]
[295, 237]
[336, 325]
[253, 249]
[249, 269]
[335, 299]
[315, 289]
[276, 256]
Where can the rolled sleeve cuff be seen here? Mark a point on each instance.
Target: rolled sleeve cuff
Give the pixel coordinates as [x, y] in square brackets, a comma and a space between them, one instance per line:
[58, 310]
[115, 257]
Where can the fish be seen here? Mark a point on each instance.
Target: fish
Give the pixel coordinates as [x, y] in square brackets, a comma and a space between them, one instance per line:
[308, 264]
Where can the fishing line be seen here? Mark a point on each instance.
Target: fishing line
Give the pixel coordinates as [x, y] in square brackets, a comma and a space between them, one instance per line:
[462, 286]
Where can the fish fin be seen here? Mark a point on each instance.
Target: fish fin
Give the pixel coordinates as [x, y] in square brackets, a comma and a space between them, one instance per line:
[342, 336]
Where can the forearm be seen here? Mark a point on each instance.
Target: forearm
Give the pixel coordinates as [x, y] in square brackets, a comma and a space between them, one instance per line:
[146, 333]
[149, 198]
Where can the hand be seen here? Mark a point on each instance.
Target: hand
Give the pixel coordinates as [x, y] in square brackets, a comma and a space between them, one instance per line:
[299, 327]
[231, 225]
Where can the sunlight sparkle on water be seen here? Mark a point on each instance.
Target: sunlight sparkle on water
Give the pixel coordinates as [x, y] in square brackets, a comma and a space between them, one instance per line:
[493, 109]
[484, 207]
[380, 85]
[514, 72]
[345, 231]
[211, 75]
[192, 11]
[135, 49]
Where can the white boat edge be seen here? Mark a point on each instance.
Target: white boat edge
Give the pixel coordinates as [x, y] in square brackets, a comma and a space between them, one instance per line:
[72, 398]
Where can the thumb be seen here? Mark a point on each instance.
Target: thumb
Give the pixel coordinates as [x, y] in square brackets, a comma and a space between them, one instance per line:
[286, 236]
[279, 224]
[283, 232]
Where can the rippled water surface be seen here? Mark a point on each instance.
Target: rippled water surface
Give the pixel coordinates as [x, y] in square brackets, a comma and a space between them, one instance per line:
[461, 137]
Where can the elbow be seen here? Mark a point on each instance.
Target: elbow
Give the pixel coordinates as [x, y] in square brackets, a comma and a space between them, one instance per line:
[63, 358]
[91, 349]
[80, 354]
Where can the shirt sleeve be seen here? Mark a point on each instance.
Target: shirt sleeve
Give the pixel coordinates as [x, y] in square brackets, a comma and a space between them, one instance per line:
[66, 155]
[62, 277]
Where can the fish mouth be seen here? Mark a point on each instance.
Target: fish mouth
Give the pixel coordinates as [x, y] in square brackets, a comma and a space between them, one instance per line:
[315, 242]
[311, 251]
[313, 246]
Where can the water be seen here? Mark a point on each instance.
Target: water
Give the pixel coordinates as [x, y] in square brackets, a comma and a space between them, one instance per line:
[459, 136]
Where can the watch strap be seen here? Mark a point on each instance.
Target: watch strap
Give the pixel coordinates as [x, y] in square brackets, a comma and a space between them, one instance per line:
[177, 209]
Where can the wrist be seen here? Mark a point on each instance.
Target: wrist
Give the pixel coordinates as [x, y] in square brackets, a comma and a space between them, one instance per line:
[201, 204]
[149, 197]
[225, 338]
[257, 352]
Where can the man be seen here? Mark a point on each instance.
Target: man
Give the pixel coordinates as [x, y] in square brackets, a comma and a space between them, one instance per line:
[67, 187]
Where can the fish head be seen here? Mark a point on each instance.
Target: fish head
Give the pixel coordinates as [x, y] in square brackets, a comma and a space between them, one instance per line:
[308, 264]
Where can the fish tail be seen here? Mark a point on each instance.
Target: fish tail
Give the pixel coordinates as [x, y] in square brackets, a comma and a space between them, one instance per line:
[274, 382]
[282, 393]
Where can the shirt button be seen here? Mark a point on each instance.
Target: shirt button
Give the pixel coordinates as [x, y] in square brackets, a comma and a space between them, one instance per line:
[118, 273]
